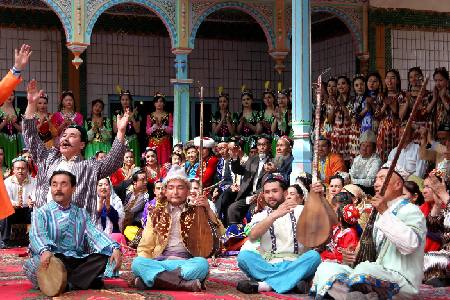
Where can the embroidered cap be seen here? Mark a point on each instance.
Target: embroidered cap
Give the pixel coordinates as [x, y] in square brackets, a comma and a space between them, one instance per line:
[207, 142]
[402, 173]
[176, 172]
[368, 137]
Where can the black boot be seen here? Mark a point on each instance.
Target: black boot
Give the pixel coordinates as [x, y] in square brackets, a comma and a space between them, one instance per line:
[172, 280]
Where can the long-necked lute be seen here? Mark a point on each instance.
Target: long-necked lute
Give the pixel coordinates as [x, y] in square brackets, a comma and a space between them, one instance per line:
[314, 226]
[367, 250]
[203, 236]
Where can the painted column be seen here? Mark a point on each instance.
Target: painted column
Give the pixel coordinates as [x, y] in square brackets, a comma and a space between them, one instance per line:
[364, 56]
[301, 87]
[181, 105]
[281, 50]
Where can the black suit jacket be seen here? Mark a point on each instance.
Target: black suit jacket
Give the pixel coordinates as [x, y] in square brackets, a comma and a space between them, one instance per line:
[248, 171]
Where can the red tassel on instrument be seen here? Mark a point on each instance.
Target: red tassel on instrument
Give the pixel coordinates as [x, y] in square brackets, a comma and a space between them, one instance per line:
[6, 208]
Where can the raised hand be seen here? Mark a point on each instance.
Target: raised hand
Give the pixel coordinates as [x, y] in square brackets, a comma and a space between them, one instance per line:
[22, 57]
[122, 121]
[33, 93]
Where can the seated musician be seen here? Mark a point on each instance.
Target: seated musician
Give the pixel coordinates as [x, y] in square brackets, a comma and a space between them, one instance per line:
[20, 188]
[282, 262]
[62, 229]
[399, 236]
[164, 260]
[329, 163]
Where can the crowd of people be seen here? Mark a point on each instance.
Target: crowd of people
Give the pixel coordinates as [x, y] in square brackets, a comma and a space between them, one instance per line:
[89, 193]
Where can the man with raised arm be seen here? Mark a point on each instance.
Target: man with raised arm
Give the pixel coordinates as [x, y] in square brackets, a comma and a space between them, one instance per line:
[69, 156]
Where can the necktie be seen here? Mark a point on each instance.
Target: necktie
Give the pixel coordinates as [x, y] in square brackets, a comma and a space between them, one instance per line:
[226, 169]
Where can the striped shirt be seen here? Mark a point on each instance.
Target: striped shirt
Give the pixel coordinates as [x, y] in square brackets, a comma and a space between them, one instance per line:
[67, 231]
[87, 172]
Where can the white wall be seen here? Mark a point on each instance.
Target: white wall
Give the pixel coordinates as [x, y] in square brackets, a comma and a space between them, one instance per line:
[337, 53]
[144, 64]
[426, 49]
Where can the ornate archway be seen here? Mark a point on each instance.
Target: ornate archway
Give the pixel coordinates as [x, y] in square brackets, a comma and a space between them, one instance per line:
[203, 11]
[352, 19]
[165, 11]
[63, 10]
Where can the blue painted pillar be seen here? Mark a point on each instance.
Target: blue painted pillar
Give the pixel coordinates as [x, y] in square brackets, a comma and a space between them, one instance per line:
[181, 86]
[301, 87]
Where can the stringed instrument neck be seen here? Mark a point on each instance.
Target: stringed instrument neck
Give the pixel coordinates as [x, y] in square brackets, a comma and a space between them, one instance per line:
[315, 224]
[202, 239]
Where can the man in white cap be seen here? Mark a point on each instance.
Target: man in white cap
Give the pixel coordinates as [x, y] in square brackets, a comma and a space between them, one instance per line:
[399, 234]
[164, 260]
[366, 165]
[209, 161]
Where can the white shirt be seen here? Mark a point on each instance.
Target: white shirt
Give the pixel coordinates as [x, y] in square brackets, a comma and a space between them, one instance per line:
[409, 160]
[175, 242]
[284, 233]
[389, 225]
[28, 189]
[262, 161]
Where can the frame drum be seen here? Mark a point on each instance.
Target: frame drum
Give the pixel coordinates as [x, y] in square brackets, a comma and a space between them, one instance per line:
[53, 280]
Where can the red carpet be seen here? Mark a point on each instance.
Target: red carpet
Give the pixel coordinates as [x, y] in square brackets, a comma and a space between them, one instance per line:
[221, 284]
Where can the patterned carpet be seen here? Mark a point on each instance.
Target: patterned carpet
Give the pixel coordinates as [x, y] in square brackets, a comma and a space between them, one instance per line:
[224, 275]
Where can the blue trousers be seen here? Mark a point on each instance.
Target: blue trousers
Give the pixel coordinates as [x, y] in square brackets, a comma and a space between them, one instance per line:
[282, 276]
[147, 268]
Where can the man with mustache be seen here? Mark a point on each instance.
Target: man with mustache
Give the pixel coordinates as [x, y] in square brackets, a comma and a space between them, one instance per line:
[62, 230]
[69, 156]
[399, 234]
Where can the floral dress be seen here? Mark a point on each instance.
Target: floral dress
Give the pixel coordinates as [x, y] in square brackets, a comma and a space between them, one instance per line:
[266, 123]
[224, 133]
[130, 135]
[246, 132]
[160, 137]
[10, 137]
[99, 139]
[388, 130]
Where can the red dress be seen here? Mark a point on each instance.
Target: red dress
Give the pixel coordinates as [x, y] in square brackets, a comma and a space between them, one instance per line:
[209, 170]
[388, 129]
[431, 244]
[342, 239]
[160, 136]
